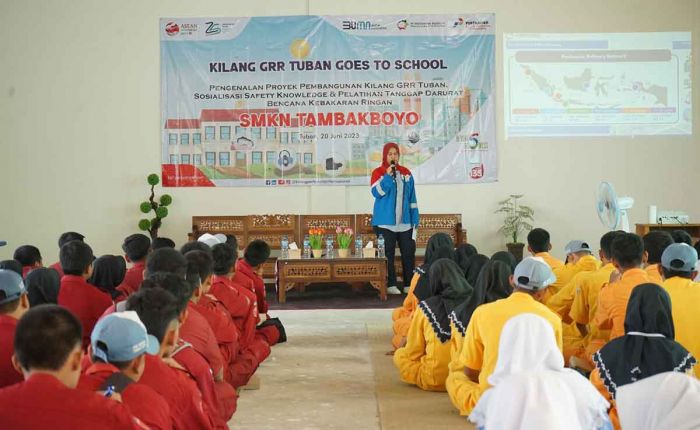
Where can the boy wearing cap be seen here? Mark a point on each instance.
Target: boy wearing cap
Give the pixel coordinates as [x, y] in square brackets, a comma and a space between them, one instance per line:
[62, 240]
[627, 255]
[29, 257]
[14, 303]
[479, 352]
[539, 246]
[655, 242]
[678, 270]
[136, 248]
[118, 347]
[47, 399]
[86, 301]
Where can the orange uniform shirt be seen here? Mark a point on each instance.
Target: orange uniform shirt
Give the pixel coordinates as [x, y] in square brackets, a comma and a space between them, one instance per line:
[612, 301]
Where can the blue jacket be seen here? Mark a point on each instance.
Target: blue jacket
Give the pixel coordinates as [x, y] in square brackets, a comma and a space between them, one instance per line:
[384, 192]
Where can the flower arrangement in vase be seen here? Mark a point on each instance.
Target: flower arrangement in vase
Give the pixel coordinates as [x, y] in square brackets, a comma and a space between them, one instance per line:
[344, 238]
[316, 241]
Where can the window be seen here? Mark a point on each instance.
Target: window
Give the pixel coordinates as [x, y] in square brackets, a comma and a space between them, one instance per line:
[271, 132]
[256, 133]
[197, 158]
[224, 158]
[196, 138]
[173, 158]
[211, 158]
[284, 137]
[225, 132]
[185, 158]
[240, 131]
[184, 139]
[308, 158]
[257, 157]
[295, 137]
[172, 138]
[271, 157]
[209, 132]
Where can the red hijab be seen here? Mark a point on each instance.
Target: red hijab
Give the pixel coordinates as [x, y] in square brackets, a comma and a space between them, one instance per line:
[379, 171]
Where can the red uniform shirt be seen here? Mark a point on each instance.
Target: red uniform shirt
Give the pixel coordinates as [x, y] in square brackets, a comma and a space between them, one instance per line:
[241, 304]
[245, 271]
[8, 374]
[144, 403]
[132, 279]
[196, 331]
[222, 325]
[44, 402]
[181, 393]
[57, 267]
[86, 302]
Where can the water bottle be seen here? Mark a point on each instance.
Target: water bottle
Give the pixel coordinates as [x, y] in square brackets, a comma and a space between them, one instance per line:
[358, 246]
[381, 252]
[284, 247]
[307, 247]
[329, 247]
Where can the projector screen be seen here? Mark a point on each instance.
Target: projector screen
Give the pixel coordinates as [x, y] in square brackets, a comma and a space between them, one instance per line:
[597, 84]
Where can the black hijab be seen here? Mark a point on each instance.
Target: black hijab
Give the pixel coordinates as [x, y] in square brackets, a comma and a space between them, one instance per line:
[440, 245]
[493, 283]
[108, 272]
[42, 286]
[647, 348]
[505, 257]
[449, 289]
[475, 264]
[463, 253]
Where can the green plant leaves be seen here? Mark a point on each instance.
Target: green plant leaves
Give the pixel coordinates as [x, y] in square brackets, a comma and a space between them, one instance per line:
[144, 224]
[145, 207]
[162, 212]
[153, 179]
[166, 199]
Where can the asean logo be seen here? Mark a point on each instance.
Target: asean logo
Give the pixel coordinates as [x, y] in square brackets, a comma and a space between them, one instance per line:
[172, 28]
[477, 172]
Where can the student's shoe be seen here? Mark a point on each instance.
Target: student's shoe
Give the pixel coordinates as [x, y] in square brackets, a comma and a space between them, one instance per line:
[406, 290]
[393, 290]
[253, 383]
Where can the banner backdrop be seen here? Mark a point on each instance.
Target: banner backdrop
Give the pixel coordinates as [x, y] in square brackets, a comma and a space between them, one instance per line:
[301, 100]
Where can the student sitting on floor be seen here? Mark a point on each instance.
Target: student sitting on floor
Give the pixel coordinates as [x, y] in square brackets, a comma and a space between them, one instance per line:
[480, 350]
[29, 257]
[463, 253]
[47, 399]
[627, 255]
[682, 236]
[13, 304]
[678, 268]
[424, 360]
[474, 266]
[162, 242]
[655, 242]
[539, 246]
[587, 286]
[86, 301]
[42, 286]
[159, 312]
[531, 389]
[668, 400]
[66, 237]
[108, 273]
[136, 248]
[439, 246]
[647, 347]
[119, 344]
[13, 265]
[506, 258]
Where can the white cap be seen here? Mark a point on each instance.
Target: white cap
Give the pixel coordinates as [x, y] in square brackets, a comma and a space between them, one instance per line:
[577, 246]
[533, 274]
[210, 239]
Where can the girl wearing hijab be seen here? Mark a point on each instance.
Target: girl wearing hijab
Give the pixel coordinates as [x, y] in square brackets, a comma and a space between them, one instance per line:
[463, 253]
[107, 274]
[424, 360]
[395, 213]
[474, 267]
[646, 349]
[439, 245]
[505, 257]
[668, 400]
[531, 389]
[42, 286]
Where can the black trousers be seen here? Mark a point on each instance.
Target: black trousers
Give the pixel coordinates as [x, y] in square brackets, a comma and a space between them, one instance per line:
[408, 253]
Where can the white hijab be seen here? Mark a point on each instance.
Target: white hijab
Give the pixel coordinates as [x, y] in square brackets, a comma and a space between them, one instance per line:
[531, 387]
[668, 400]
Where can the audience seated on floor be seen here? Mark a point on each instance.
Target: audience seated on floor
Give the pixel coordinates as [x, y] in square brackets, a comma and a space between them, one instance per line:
[64, 238]
[539, 245]
[14, 302]
[136, 248]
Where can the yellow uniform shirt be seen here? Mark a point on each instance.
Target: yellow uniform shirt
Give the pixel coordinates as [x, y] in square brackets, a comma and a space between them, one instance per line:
[685, 301]
[480, 349]
[613, 299]
[560, 294]
[553, 262]
[654, 274]
[424, 360]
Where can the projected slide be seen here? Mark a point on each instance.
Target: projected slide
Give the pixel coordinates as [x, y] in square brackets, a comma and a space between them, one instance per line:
[592, 84]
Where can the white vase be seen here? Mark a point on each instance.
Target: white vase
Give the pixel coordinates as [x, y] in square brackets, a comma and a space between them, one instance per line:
[317, 253]
[343, 252]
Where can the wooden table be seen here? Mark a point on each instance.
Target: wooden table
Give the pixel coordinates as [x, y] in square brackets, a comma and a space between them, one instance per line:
[293, 273]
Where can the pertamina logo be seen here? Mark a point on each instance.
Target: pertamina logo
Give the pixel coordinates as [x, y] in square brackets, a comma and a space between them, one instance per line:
[212, 28]
[171, 28]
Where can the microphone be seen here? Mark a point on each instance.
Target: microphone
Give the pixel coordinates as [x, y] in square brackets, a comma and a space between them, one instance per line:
[393, 168]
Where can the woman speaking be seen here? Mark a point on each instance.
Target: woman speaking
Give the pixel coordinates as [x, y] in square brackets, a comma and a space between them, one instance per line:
[395, 213]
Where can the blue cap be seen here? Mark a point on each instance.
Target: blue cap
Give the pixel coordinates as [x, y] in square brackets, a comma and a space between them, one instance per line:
[120, 337]
[12, 285]
[533, 274]
[679, 256]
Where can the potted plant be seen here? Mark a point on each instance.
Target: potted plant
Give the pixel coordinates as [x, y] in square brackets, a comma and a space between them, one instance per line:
[159, 208]
[316, 241]
[517, 219]
[344, 239]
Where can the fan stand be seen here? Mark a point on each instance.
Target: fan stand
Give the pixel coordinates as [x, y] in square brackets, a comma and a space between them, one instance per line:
[624, 221]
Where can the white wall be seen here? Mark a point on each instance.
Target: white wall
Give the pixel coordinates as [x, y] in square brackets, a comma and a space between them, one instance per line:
[80, 125]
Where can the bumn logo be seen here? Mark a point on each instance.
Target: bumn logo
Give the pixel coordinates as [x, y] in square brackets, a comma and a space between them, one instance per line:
[357, 25]
[212, 28]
